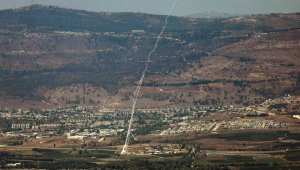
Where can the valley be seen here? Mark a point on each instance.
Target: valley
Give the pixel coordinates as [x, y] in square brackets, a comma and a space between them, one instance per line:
[219, 93]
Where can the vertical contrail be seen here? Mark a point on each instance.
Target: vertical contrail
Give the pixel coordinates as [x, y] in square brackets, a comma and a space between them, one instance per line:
[137, 90]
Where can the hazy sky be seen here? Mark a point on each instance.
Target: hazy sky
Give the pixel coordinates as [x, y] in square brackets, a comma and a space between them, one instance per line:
[183, 7]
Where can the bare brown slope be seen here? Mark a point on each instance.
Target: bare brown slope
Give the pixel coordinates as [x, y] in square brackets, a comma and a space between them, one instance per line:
[198, 71]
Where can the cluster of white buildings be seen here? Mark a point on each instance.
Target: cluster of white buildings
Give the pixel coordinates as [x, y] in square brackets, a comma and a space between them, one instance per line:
[264, 106]
[20, 126]
[255, 125]
[28, 126]
[105, 123]
[180, 128]
[187, 128]
[73, 33]
[87, 134]
[166, 149]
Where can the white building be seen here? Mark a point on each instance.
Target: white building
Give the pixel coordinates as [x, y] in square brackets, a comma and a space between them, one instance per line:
[296, 116]
[108, 132]
[20, 126]
[11, 164]
[77, 137]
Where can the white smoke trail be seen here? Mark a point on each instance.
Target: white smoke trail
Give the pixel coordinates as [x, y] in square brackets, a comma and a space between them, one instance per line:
[137, 90]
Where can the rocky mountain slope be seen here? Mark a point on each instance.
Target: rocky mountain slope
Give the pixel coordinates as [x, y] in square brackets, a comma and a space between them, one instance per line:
[52, 56]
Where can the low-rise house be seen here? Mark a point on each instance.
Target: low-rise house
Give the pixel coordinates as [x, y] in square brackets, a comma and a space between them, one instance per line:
[108, 132]
[41, 137]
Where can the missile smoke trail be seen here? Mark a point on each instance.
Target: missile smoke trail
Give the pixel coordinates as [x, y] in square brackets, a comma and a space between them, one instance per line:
[137, 90]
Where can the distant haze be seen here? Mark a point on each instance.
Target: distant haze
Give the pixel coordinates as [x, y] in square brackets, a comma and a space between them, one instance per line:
[182, 8]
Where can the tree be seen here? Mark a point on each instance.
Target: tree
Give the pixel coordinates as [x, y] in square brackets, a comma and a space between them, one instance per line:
[80, 152]
[91, 101]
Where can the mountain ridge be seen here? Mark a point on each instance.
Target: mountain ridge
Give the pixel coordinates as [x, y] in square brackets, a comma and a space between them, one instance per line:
[66, 58]
[212, 14]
